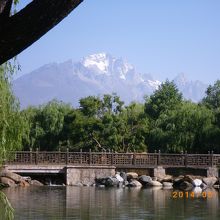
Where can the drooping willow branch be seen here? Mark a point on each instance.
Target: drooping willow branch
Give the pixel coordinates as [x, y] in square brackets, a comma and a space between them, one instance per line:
[7, 212]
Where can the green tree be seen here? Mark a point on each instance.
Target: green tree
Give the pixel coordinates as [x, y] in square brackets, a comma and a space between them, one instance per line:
[133, 127]
[45, 125]
[167, 97]
[212, 98]
[182, 129]
[12, 124]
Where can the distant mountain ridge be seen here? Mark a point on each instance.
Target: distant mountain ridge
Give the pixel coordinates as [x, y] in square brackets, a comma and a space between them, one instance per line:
[96, 74]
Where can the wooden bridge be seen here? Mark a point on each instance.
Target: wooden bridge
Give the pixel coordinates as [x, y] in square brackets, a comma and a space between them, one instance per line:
[119, 160]
[84, 167]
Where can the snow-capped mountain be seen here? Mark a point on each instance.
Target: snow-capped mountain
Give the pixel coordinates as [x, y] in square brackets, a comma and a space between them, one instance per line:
[192, 90]
[95, 74]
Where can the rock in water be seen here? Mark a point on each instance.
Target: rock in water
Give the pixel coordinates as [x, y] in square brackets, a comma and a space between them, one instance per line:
[132, 175]
[186, 185]
[197, 182]
[119, 178]
[123, 175]
[13, 176]
[209, 181]
[7, 182]
[155, 183]
[23, 183]
[145, 180]
[167, 178]
[189, 178]
[167, 184]
[36, 183]
[112, 181]
[134, 183]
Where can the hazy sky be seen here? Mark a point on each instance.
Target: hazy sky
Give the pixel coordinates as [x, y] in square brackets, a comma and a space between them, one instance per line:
[161, 37]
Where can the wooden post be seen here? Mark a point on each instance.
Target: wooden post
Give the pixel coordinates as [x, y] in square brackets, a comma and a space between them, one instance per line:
[30, 155]
[59, 156]
[183, 159]
[155, 152]
[158, 158]
[36, 159]
[186, 156]
[112, 158]
[134, 159]
[67, 156]
[80, 156]
[212, 158]
[90, 157]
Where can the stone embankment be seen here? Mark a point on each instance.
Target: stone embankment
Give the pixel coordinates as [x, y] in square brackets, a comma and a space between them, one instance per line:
[9, 179]
[187, 182]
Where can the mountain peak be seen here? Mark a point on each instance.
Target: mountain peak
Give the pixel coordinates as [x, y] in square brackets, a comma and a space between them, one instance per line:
[181, 79]
[99, 61]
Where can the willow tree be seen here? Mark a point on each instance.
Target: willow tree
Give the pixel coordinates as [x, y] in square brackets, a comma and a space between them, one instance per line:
[12, 127]
[12, 124]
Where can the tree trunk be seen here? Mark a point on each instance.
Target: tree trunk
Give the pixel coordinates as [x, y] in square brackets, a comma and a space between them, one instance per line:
[19, 31]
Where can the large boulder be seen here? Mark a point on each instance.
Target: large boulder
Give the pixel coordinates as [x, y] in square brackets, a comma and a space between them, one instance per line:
[197, 182]
[119, 178]
[186, 185]
[23, 183]
[123, 175]
[189, 178]
[167, 184]
[154, 183]
[132, 175]
[209, 181]
[7, 182]
[111, 181]
[167, 178]
[134, 183]
[145, 180]
[177, 181]
[108, 181]
[36, 183]
[13, 176]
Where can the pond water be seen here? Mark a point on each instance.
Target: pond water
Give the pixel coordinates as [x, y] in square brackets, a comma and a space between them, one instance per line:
[44, 203]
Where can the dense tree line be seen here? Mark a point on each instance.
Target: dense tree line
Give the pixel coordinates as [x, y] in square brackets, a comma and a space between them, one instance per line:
[165, 121]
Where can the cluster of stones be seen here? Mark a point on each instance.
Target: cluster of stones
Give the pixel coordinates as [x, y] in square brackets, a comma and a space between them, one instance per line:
[132, 179]
[9, 179]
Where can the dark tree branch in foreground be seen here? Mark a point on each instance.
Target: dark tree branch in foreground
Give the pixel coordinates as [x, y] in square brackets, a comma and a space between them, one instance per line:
[19, 31]
[5, 8]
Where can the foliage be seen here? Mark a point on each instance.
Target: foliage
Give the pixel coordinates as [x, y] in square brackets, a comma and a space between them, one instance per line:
[212, 99]
[182, 129]
[8, 213]
[164, 122]
[44, 125]
[12, 125]
[167, 97]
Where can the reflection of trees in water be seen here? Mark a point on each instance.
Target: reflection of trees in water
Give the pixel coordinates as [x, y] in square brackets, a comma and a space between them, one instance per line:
[38, 202]
[113, 203]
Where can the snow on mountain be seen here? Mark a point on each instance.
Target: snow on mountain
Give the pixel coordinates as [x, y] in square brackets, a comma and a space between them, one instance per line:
[98, 62]
[154, 83]
[95, 74]
[192, 90]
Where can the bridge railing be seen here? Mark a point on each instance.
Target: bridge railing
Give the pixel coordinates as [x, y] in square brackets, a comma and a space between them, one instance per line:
[116, 159]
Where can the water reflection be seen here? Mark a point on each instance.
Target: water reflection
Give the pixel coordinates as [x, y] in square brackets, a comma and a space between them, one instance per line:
[116, 203]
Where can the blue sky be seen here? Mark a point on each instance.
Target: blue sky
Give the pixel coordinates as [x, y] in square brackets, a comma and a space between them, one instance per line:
[161, 37]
